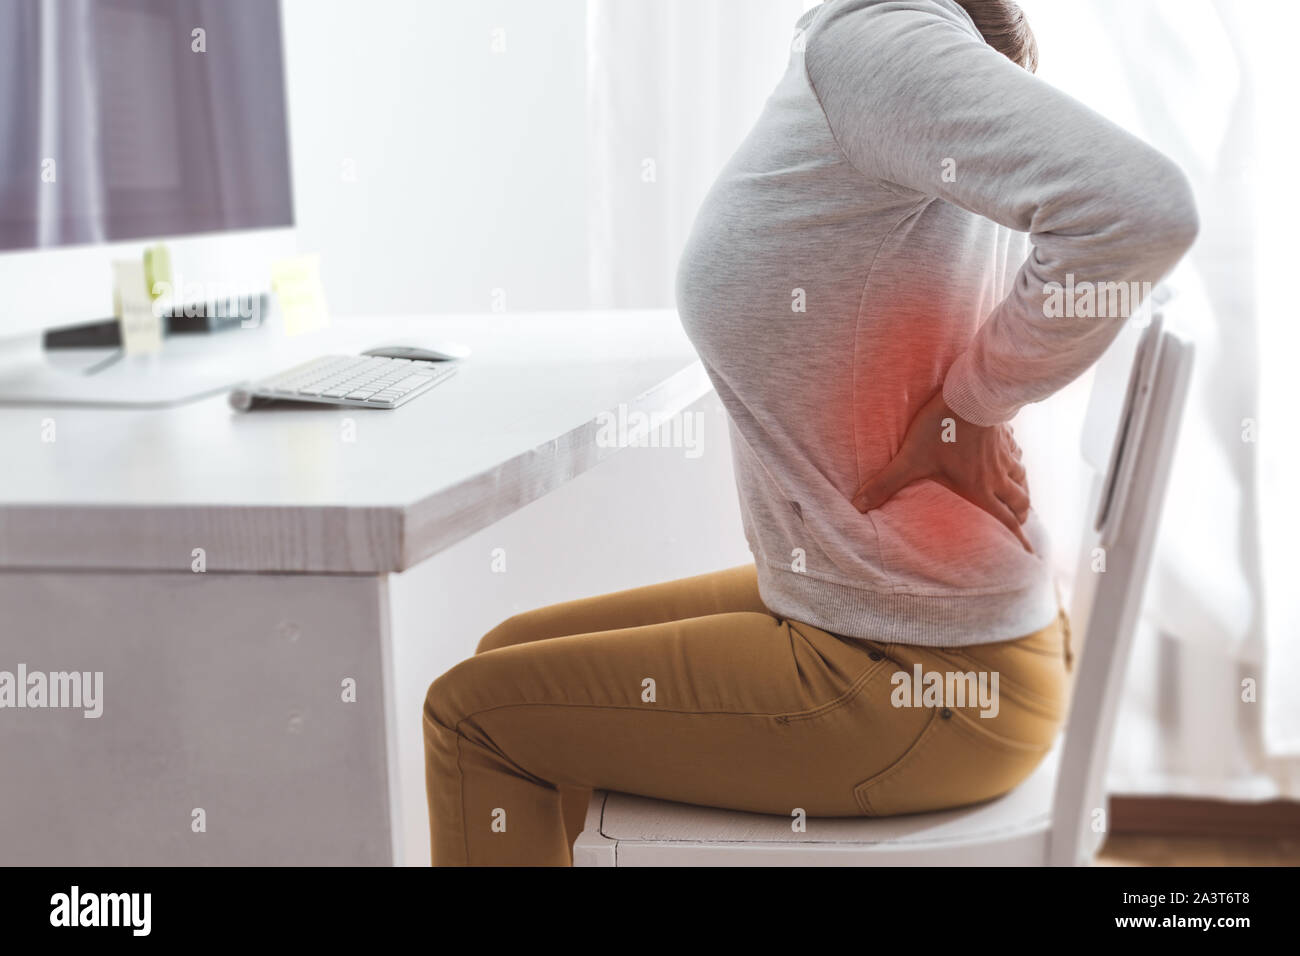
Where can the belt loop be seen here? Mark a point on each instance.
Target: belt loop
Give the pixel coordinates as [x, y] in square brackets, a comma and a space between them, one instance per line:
[1065, 632]
[1065, 627]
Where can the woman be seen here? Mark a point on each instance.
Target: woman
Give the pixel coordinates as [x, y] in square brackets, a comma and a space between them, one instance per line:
[854, 288]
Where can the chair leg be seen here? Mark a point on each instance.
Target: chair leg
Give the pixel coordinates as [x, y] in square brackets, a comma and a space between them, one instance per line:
[593, 848]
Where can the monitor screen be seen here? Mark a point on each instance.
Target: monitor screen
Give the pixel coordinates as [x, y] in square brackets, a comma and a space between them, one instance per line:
[138, 119]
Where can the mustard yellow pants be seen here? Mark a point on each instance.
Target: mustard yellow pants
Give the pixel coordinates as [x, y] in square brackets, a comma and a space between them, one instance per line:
[693, 691]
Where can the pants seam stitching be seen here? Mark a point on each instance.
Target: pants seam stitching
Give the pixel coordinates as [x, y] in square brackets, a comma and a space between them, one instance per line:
[849, 694]
[902, 762]
[795, 715]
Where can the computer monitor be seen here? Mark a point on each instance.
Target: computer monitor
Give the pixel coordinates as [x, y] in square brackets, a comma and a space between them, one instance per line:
[128, 122]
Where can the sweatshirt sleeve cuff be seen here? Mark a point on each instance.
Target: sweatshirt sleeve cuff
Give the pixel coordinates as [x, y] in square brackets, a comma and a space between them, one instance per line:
[962, 395]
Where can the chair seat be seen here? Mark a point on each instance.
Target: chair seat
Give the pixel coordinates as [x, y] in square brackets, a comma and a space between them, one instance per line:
[1011, 830]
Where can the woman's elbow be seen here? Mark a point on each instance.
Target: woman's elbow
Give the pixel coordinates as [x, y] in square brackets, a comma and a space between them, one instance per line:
[1180, 218]
[1167, 219]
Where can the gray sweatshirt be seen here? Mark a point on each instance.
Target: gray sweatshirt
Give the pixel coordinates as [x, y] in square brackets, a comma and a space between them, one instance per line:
[864, 248]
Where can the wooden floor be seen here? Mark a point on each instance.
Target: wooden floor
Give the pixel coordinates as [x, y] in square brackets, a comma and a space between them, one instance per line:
[1137, 850]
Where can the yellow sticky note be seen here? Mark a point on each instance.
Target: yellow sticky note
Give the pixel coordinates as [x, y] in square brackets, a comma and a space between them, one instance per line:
[296, 284]
[142, 330]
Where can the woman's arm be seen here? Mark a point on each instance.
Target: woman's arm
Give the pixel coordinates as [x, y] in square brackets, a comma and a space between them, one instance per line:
[915, 98]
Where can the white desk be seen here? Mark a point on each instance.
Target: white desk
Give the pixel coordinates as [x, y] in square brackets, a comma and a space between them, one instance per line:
[223, 689]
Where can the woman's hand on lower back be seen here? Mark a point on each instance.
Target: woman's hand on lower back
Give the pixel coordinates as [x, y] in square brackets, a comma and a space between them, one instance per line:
[980, 463]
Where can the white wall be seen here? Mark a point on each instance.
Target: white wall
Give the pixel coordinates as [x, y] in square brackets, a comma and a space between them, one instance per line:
[468, 163]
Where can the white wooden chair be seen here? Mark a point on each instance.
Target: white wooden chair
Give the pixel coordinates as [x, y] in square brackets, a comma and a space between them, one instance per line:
[1053, 817]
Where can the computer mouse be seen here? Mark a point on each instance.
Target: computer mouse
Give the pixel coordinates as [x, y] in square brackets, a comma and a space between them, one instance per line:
[446, 353]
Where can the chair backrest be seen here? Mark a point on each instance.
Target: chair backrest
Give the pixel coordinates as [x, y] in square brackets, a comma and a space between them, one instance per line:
[1114, 562]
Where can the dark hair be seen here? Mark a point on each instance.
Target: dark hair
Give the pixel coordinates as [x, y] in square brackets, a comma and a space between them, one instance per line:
[1004, 27]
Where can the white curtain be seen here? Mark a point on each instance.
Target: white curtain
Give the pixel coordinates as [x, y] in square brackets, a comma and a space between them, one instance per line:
[1206, 81]
[672, 88]
[1272, 57]
[1219, 620]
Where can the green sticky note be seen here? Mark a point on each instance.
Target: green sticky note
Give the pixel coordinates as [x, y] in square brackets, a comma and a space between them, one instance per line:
[157, 270]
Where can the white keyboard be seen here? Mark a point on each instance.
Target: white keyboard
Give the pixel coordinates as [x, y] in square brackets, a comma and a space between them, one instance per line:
[360, 380]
